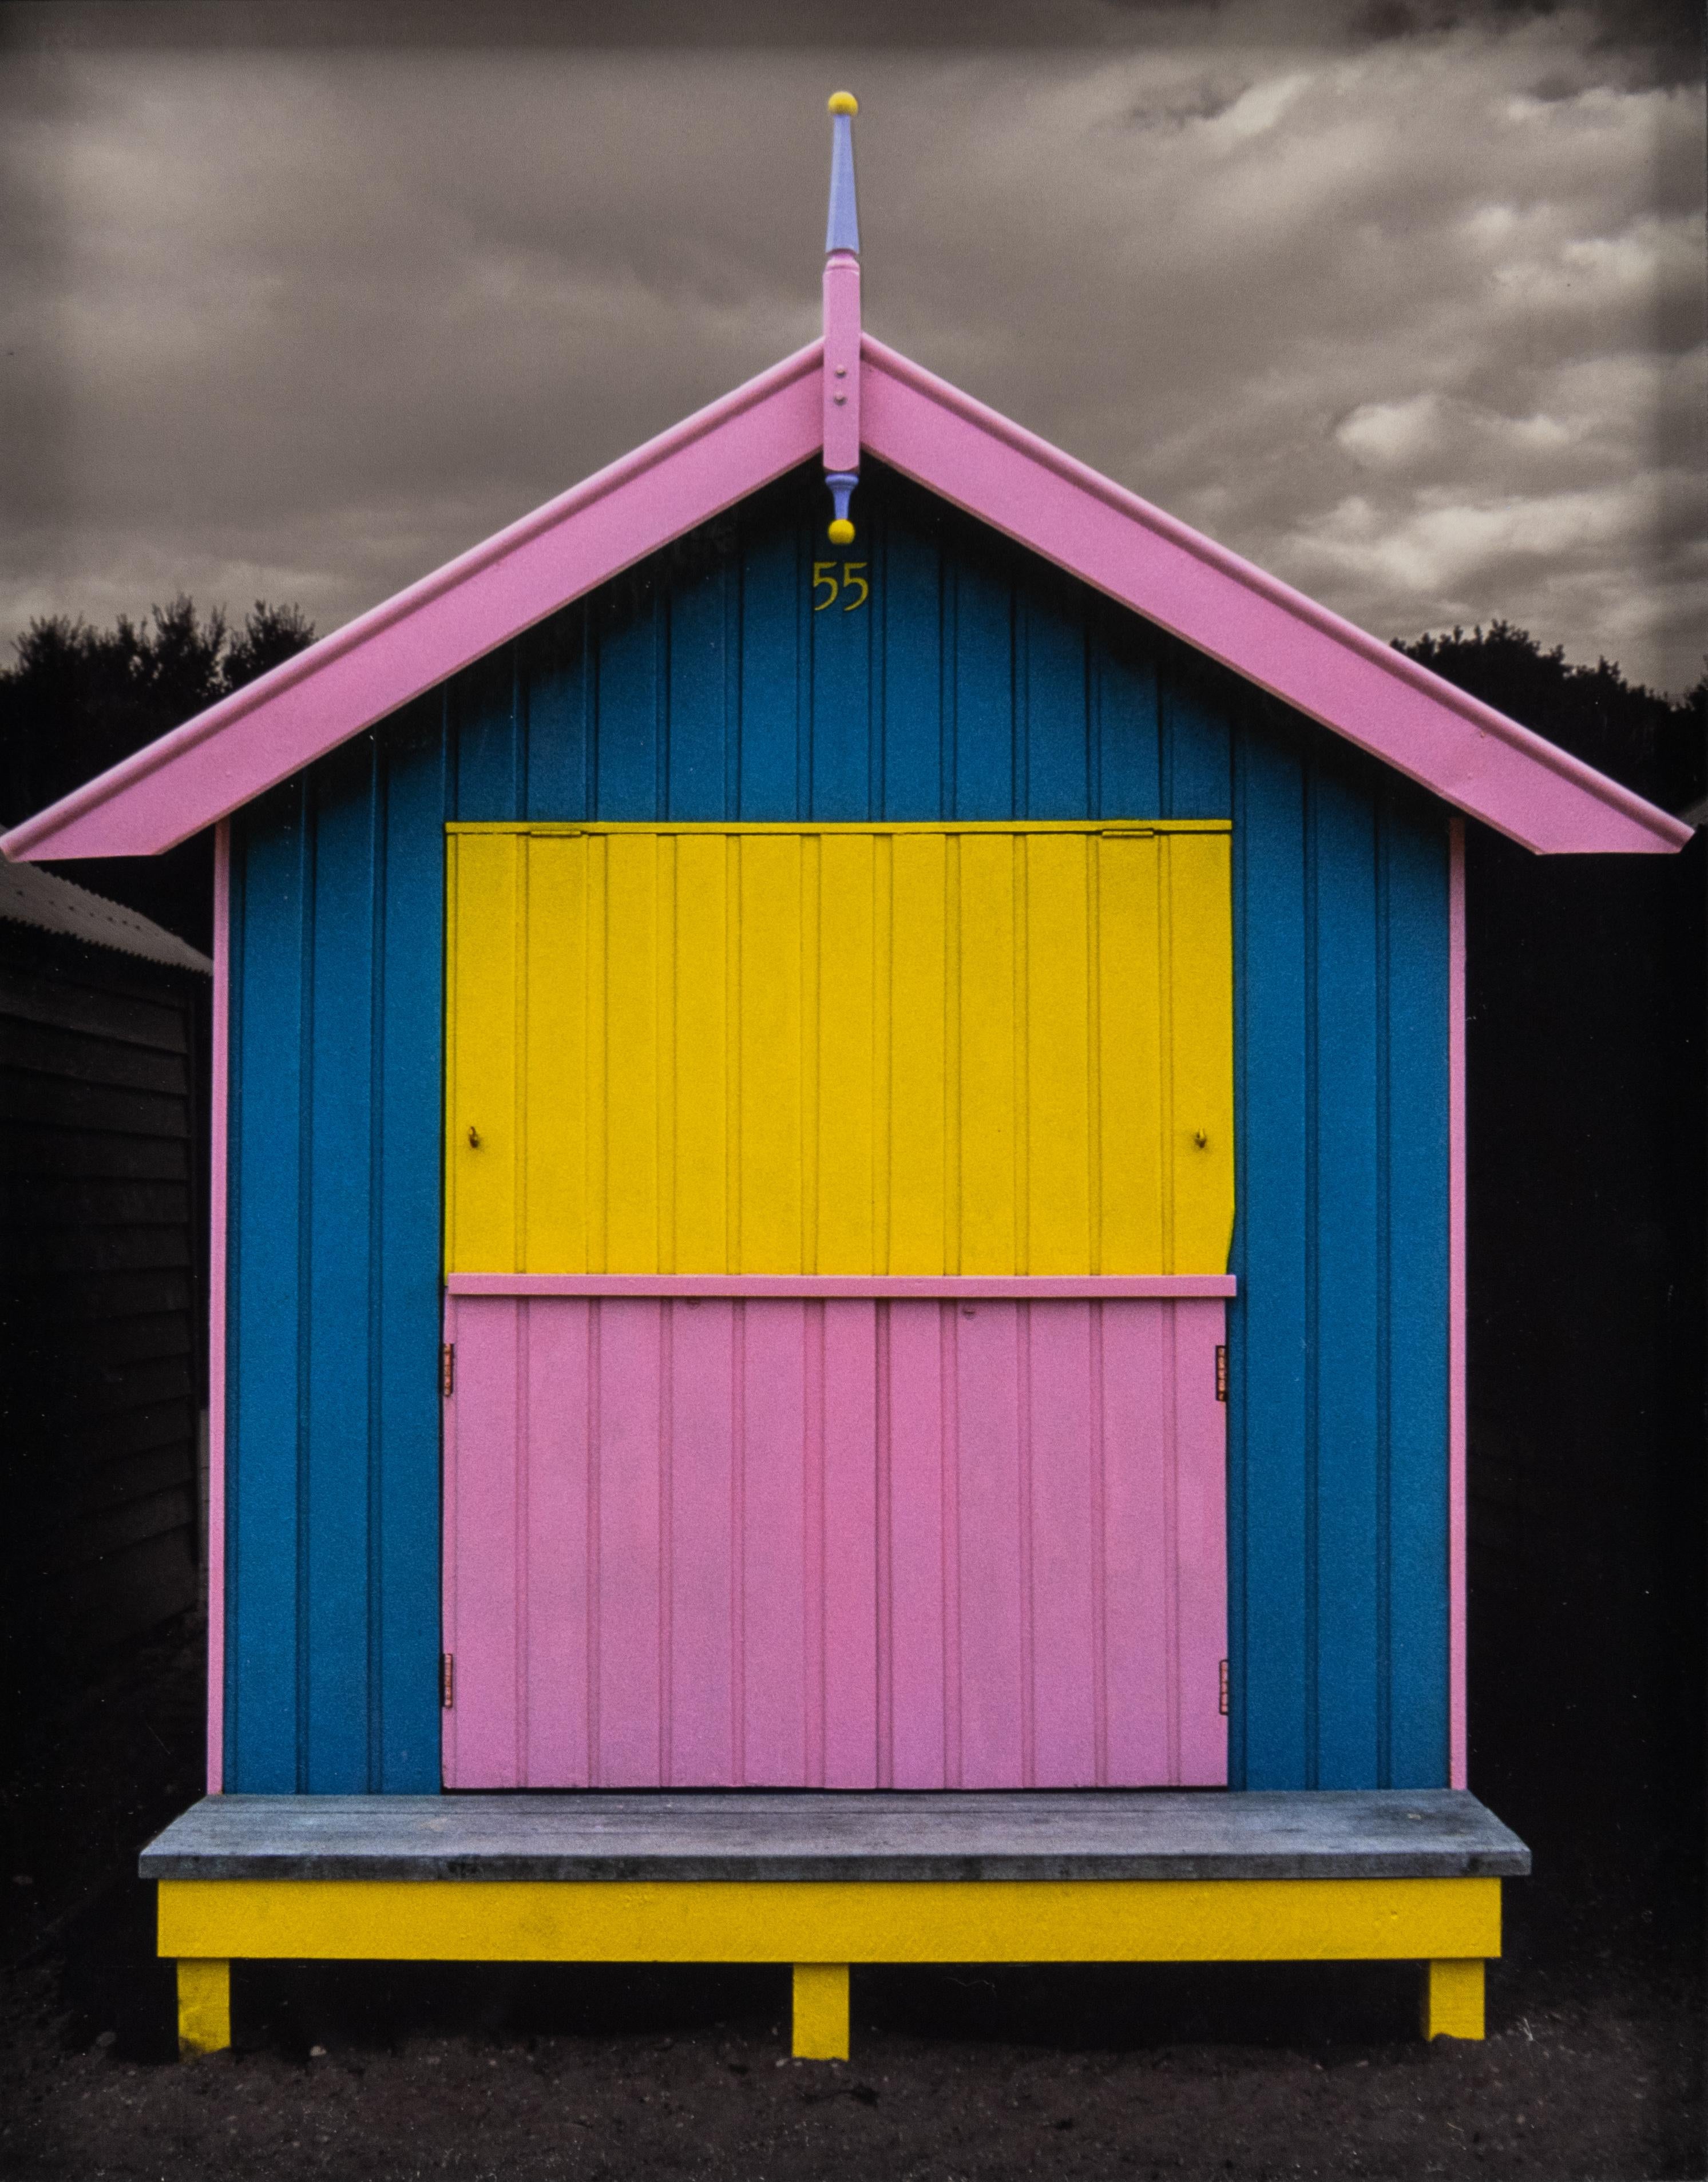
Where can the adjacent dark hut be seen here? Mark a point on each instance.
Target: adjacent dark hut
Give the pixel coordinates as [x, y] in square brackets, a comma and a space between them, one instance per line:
[103, 1228]
[840, 1168]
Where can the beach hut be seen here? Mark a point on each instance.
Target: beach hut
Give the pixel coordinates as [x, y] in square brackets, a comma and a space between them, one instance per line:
[838, 1231]
[103, 1020]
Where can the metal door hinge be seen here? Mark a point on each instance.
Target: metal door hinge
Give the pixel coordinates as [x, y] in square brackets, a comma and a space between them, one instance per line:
[447, 1680]
[448, 1368]
[1221, 1687]
[1221, 1371]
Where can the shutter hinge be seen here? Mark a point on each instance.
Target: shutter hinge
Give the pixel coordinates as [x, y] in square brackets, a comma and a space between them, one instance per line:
[1221, 1371]
[1221, 1688]
[448, 1368]
[447, 1680]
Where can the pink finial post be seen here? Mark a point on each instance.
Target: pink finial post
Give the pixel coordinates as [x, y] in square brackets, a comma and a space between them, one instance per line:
[842, 320]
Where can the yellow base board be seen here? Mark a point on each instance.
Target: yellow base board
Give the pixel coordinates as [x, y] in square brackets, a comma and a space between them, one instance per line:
[1169, 1920]
[1450, 1924]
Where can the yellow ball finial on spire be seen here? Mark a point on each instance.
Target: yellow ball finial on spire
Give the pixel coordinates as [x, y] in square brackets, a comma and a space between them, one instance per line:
[842, 102]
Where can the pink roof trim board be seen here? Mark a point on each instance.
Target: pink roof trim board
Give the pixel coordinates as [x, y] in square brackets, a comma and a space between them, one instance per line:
[1470, 756]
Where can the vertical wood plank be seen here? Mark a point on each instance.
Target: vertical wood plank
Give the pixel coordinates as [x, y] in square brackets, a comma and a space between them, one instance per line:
[1349, 1184]
[1271, 1390]
[850, 1558]
[1200, 1545]
[770, 1033]
[404, 1709]
[335, 1398]
[988, 1633]
[268, 1309]
[698, 967]
[772, 1558]
[1135, 1566]
[481, 1061]
[629, 1604]
[487, 1728]
[1200, 951]
[843, 974]
[555, 1092]
[555, 1448]
[919, 1033]
[632, 970]
[985, 928]
[1129, 1055]
[703, 1455]
[1060, 1015]
[1057, 1337]
[919, 1663]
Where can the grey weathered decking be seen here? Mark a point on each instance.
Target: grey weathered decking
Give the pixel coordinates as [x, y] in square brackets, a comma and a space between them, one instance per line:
[1101, 1834]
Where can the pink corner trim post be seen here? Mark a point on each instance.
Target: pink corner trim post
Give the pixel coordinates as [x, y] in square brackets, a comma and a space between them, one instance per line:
[218, 1130]
[1456, 1421]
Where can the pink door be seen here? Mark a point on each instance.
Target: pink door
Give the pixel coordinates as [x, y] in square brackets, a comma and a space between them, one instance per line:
[829, 1539]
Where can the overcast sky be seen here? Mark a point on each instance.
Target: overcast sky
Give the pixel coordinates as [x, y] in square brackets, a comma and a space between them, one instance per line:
[1406, 306]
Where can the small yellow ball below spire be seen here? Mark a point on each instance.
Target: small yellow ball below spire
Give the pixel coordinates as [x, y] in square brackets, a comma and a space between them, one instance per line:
[842, 102]
[841, 532]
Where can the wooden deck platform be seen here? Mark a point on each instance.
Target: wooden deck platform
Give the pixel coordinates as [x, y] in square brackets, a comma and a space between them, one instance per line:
[820, 1881]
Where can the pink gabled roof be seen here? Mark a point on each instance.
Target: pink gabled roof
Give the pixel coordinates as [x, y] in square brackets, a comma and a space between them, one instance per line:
[1465, 751]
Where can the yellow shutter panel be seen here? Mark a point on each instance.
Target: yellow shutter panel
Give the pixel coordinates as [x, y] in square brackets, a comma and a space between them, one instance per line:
[993, 1048]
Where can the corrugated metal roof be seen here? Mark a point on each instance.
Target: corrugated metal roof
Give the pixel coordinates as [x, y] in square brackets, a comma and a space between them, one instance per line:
[29, 896]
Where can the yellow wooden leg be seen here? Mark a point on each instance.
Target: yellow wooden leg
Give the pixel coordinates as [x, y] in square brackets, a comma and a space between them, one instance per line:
[821, 2011]
[204, 2007]
[1453, 1999]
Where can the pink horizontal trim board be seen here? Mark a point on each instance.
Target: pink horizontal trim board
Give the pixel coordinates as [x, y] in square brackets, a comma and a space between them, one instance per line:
[203, 770]
[1339, 674]
[1106, 1287]
[919, 1543]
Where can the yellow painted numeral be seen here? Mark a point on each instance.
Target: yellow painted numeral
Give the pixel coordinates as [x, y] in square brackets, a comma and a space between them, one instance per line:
[824, 578]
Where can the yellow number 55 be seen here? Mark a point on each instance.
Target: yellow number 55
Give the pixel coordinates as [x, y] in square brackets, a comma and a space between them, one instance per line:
[824, 579]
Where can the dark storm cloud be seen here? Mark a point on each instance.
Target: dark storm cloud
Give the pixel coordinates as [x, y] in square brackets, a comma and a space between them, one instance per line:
[1414, 319]
[1667, 34]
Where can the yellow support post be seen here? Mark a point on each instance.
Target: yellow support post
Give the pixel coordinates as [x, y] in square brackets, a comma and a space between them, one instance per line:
[1453, 1999]
[821, 2012]
[204, 2007]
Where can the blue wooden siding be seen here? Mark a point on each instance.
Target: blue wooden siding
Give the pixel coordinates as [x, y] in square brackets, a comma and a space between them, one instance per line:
[977, 683]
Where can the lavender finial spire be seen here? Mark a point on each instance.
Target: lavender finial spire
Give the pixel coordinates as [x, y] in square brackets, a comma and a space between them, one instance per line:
[842, 321]
[842, 228]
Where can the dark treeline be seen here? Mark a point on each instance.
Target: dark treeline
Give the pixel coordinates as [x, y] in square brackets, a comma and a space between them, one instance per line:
[1652, 743]
[76, 699]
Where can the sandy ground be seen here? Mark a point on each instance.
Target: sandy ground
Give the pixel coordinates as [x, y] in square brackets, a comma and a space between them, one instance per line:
[1593, 2068]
